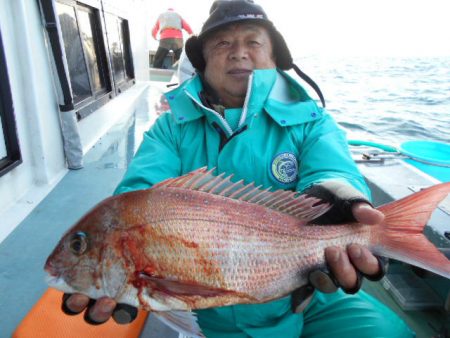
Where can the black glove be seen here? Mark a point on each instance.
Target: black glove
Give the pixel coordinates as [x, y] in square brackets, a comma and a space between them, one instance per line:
[324, 281]
[122, 314]
[341, 196]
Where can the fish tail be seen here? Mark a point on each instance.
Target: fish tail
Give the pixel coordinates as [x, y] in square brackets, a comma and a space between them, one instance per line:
[401, 234]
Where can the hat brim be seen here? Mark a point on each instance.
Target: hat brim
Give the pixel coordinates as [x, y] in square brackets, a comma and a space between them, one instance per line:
[194, 45]
[230, 21]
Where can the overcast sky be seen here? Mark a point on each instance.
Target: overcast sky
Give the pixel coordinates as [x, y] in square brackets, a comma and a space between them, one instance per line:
[344, 27]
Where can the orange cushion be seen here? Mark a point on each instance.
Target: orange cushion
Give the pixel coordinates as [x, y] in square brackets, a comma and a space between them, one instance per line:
[47, 320]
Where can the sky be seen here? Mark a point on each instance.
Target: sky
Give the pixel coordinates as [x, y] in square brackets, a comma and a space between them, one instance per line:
[344, 27]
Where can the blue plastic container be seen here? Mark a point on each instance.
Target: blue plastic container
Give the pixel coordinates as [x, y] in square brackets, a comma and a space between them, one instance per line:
[431, 152]
[431, 157]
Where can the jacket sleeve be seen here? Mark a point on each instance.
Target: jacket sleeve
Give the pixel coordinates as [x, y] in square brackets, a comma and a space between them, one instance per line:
[155, 29]
[325, 155]
[186, 26]
[157, 158]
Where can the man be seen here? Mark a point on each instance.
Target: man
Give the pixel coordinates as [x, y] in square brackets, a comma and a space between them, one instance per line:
[169, 25]
[243, 115]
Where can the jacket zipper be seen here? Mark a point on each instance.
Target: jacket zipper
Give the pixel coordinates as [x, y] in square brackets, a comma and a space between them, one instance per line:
[223, 136]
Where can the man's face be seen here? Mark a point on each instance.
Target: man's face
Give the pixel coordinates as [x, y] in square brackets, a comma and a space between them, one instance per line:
[231, 54]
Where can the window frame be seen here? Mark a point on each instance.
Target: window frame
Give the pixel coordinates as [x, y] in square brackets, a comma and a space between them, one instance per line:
[127, 56]
[90, 104]
[13, 155]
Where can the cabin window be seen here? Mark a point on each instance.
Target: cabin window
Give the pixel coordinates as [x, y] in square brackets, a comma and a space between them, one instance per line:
[92, 54]
[119, 46]
[9, 145]
[73, 36]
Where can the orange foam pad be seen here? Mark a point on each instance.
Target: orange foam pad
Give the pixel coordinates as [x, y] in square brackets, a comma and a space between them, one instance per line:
[47, 320]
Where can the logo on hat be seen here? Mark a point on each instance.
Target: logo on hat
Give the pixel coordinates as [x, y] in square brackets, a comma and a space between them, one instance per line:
[285, 168]
[250, 16]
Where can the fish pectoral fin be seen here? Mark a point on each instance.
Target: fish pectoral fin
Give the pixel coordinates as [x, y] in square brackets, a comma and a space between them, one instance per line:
[184, 322]
[182, 288]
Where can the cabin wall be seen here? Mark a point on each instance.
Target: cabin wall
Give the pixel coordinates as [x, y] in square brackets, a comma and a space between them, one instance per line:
[140, 31]
[36, 109]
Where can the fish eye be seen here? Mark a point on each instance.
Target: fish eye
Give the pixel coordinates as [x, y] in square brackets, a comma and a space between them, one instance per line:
[78, 243]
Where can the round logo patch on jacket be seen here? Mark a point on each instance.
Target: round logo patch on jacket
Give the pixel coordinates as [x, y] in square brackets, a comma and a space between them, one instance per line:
[285, 168]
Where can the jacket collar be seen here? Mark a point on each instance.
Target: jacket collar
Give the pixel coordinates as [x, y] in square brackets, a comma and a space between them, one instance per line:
[289, 104]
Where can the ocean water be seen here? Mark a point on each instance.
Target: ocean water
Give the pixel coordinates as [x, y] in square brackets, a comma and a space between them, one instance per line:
[385, 99]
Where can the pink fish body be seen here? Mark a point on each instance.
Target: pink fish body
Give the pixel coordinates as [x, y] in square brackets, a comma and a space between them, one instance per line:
[200, 241]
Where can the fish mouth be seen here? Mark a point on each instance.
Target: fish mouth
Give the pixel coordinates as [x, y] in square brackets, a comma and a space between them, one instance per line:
[58, 282]
[54, 278]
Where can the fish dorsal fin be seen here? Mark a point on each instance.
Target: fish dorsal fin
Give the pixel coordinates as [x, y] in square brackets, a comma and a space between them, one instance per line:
[185, 322]
[290, 202]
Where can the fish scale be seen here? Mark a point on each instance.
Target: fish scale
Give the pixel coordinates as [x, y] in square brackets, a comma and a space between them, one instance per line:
[283, 252]
[233, 232]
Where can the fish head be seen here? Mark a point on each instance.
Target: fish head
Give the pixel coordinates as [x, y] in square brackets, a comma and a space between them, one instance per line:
[85, 260]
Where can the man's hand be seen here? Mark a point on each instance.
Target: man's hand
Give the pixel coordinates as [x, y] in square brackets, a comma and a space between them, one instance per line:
[99, 311]
[346, 266]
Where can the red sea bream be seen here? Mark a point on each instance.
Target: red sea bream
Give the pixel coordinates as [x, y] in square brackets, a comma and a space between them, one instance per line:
[200, 241]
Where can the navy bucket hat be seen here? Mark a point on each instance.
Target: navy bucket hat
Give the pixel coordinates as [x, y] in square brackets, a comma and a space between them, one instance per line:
[226, 12]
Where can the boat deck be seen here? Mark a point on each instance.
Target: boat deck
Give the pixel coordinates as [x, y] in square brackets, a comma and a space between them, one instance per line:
[421, 298]
[161, 75]
[24, 251]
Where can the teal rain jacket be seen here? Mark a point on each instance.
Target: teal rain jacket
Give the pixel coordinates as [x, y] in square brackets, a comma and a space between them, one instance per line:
[279, 139]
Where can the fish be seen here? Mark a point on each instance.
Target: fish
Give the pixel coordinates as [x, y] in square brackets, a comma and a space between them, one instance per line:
[201, 240]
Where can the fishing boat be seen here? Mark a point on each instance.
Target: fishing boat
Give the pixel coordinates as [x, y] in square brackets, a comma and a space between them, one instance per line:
[76, 94]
